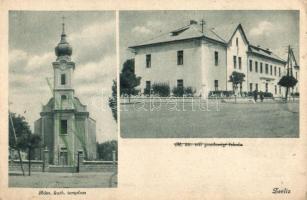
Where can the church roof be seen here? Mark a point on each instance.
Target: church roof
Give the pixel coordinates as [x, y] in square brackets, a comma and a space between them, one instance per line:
[78, 106]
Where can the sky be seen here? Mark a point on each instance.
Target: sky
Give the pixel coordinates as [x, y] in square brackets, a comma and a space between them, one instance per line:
[33, 36]
[269, 29]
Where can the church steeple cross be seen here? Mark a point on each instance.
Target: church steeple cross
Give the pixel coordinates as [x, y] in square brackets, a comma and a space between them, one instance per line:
[63, 25]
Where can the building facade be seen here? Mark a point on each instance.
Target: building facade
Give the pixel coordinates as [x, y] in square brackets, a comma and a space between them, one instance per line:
[198, 57]
[65, 126]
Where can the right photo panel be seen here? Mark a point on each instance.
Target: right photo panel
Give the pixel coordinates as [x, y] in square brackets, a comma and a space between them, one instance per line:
[209, 74]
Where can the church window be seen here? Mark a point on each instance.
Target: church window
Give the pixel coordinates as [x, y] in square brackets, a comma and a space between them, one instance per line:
[63, 128]
[234, 61]
[63, 97]
[237, 42]
[63, 79]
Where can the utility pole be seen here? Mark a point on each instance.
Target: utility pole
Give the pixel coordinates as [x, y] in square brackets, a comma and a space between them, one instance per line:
[15, 138]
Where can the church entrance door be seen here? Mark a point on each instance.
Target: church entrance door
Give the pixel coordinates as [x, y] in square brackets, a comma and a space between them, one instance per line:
[63, 158]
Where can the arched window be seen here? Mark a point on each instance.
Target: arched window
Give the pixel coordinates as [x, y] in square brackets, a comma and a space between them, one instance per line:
[63, 79]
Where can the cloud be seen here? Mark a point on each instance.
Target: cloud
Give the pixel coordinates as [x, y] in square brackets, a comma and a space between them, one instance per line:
[38, 61]
[17, 55]
[141, 30]
[93, 42]
[263, 28]
[148, 29]
[153, 24]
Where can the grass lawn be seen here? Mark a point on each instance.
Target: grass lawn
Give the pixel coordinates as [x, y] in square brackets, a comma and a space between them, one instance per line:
[242, 120]
[64, 180]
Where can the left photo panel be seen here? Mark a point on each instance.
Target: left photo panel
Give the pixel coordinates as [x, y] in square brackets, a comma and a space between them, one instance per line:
[62, 99]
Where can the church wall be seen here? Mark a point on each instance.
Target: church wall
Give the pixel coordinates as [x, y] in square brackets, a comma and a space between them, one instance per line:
[47, 124]
[38, 130]
[92, 139]
[80, 138]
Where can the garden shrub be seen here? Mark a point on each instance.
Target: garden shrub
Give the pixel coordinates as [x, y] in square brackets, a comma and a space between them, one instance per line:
[161, 89]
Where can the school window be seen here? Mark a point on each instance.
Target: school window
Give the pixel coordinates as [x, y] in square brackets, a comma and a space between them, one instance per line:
[216, 85]
[250, 65]
[216, 58]
[266, 68]
[240, 62]
[250, 87]
[256, 86]
[179, 57]
[271, 70]
[279, 72]
[148, 60]
[266, 87]
[63, 79]
[234, 61]
[261, 70]
[256, 66]
[180, 83]
[63, 127]
[275, 71]
[148, 85]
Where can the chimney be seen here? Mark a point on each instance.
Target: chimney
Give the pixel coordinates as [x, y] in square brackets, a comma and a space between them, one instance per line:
[193, 22]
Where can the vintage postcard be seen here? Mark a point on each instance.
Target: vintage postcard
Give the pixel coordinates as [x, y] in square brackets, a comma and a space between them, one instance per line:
[153, 100]
[218, 74]
[58, 100]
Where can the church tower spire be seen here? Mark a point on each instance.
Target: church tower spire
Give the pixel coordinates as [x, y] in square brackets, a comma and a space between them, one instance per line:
[63, 50]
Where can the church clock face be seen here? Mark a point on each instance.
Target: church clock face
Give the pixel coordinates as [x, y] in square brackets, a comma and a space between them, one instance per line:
[62, 67]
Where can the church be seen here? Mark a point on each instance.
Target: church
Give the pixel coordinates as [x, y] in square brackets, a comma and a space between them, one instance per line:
[65, 127]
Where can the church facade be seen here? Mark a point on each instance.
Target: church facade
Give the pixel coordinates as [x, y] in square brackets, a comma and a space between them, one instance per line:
[204, 58]
[65, 126]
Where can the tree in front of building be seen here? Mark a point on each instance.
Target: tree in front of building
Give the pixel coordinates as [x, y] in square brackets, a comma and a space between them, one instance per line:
[105, 150]
[113, 100]
[29, 143]
[128, 79]
[288, 81]
[236, 78]
[21, 137]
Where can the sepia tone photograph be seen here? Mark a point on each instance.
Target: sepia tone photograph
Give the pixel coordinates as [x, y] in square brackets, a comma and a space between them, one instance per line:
[62, 99]
[209, 74]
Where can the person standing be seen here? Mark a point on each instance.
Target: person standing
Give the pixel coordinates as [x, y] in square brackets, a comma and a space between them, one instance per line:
[261, 96]
[255, 95]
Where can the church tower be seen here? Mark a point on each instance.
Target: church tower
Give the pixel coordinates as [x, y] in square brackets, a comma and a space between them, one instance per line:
[65, 126]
